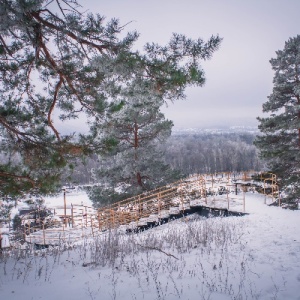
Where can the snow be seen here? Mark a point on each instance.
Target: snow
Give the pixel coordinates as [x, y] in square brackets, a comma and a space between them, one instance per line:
[256, 256]
[4, 243]
[78, 197]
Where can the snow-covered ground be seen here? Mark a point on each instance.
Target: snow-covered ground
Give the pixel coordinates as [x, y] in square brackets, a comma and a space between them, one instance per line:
[252, 257]
[78, 197]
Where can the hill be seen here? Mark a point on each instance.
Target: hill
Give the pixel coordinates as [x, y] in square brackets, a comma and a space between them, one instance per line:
[252, 257]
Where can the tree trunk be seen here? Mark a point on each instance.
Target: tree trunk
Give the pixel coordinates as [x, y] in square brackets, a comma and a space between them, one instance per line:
[139, 179]
[298, 98]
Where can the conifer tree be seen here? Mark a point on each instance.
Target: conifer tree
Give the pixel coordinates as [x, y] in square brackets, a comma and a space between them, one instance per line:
[136, 127]
[280, 140]
[57, 63]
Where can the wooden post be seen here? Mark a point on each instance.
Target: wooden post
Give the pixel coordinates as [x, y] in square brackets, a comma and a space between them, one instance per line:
[227, 192]
[44, 234]
[86, 217]
[92, 225]
[265, 191]
[244, 201]
[112, 213]
[65, 208]
[139, 207]
[99, 226]
[159, 204]
[181, 196]
[119, 215]
[72, 215]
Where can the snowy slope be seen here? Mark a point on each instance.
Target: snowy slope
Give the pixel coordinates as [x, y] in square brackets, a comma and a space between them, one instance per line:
[252, 257]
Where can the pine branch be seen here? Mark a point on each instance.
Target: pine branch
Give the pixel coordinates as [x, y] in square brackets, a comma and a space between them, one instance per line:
[63, 75]
[11, 128]
[73, 36]
[6, 174]
[5, 46]
[52, 107]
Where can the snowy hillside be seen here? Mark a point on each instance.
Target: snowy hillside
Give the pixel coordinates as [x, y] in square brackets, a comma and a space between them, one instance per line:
[252, 257]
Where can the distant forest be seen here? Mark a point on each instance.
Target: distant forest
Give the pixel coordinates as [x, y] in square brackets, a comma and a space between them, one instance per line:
[209, 153]
[196, 153]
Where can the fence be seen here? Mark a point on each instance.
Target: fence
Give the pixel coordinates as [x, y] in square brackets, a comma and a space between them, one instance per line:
[210, 190]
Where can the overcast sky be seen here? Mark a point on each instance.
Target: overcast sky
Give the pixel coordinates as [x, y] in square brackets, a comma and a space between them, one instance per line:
[239, 75]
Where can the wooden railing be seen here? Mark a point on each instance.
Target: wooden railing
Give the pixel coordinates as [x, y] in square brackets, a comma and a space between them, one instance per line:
[152, 206]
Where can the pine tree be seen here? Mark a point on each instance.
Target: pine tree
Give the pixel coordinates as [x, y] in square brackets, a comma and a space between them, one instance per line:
[135, 127]
[46, 50]
[280, 140]
[59, 63]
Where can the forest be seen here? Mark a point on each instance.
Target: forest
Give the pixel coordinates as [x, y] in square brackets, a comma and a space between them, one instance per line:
[209, 153]
[188, 154]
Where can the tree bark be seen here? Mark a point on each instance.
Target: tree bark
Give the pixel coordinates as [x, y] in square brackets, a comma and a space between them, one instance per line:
[139, 179]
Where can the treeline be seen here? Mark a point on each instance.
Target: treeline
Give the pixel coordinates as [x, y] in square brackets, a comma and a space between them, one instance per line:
[209, 153]
[199, 153]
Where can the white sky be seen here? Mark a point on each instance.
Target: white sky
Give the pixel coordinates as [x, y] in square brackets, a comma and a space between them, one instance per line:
[239, 76]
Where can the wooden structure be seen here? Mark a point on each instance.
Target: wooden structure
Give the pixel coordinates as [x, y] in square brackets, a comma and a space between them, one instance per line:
[212, 191]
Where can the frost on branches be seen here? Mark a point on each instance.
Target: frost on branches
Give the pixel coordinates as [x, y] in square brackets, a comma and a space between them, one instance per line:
[280, 140]
[135, 129]
[57, 63]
